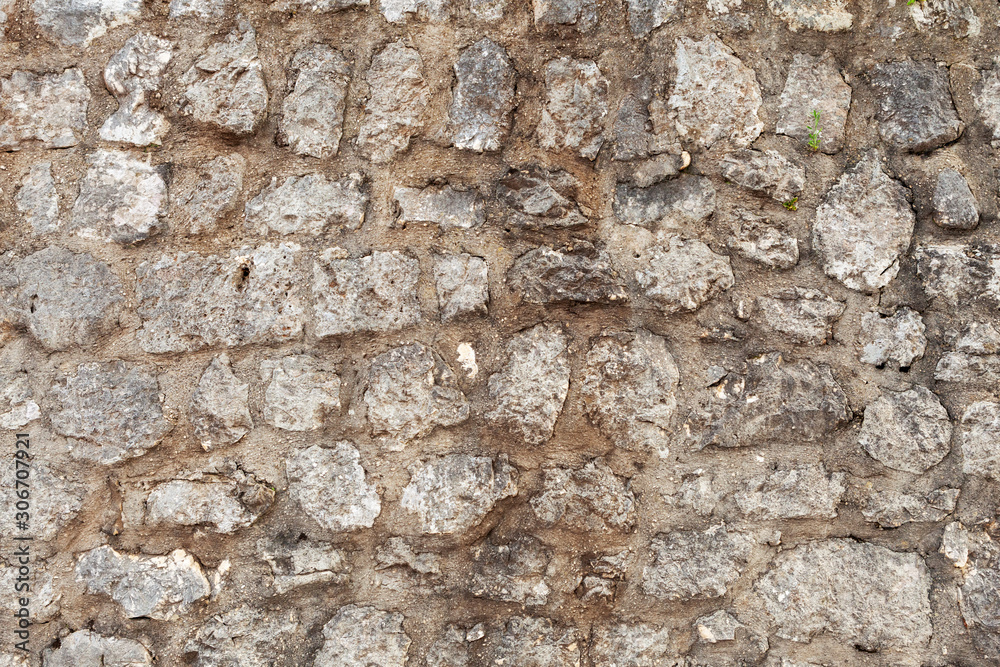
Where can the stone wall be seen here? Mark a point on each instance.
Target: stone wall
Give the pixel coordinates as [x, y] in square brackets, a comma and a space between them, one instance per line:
[537, 334]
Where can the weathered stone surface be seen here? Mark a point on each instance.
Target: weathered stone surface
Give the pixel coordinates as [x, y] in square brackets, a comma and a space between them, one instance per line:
[760, 241]
[891, 509]
[576, 104]
[831, 16]
[456, 492]
[805, 316]
[330, 486]
[644, 16]
[814, 83]
[299, 393]
[529, 392]
[980, 439]
[411, 391]
[462, 283]
[955, 274]
[312, 117]
[955, 207]
[483, 97]
[862, 227]
[372, 293]
[220, 407]
[531, 642]
[319, 6]
[226, 87]
[359, 635]
[630, 390]
[939, 15]
[768, 172]
[897, 339]
[511, 572]
[82, 22]
[189, 301]
[37, 199]
[955, 544]
[979, 600]
[908, 430]
[915, 111]
[44, 110]
[676, 203]
[538, 198]
[56, 497]
[212, 10]
[398, 11]
[112, 410]
[203, 196]
[243, 636]
[975, 358]
[85, 647]
[986, 96]
[397, 100]
[682, 274]
[808, 492]
[630, 645]
[580, 274]
[160, 587]
[488, 10]
[224, 505]
[715, 96]
[17, 404]
[445, 206]
[398, 552]
[305, 564]
[133, 74]
[590, 499]
[659, 167]
[581, 14]
[817, 587]
[309, 204]
[690, 564]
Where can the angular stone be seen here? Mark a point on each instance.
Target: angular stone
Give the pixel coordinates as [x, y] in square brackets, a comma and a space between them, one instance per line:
[512, 572]
[56, 497]
[531, 642]
[160, 587]
[462, 283]
[44, 110]
[537, 198]
[243, 636]
[825, 16]
[591, 499]
[955, 544]
[682, 274]
[212, 10]
[358, 635]
[830, 577]
[223, 505]
[17, 404]
[676, 203]
[631, 136]
[398, 552]
[760, 241]
[85, 647]
[579, 275]
[891, 509]
[411, 391]
[445, 206]
[908, 430]
[980, 438]
[862, 227]
[132, 75]
[979, 600]
[452, 649]
[203, 196]
[299, 394]
[644, 16]
[955, 274]
[377, 293]
[576, 104]
[81, 23]
[318, 6]
[225, 87]
[955, 207]
[220, 407]
[305, 564]
[396, 104]
[630, 390]
[37, 199]
[975, 361]
[630, 644]
[814, 83]
[808, 492]
[915, 110]
[898, 339]
[715, 96]
[934, 15]
[690, 564]
[768, 172]
[805, 316]
[189, 301]
[581, 14]
[488, 10]
[112, 410]
[529, 392]
[659, 168]
[986, 96]
[398, 11]
[312, 117]
[483, 98]
[455, 493]
[309, 204]
[329, 485]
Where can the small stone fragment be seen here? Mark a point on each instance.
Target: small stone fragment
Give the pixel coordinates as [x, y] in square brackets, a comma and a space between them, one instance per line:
[202, 196]
[576, 104]
[81, 23]
[299, 394]
[960, 274]
[37, 199]
[531, 642]
[805, 316]
[358, 635]
[224, 505]
[483, 97]
[891, 509]
[132, 75]
[955, 544]
[578, 275]
[644, 16]
[305, 564]
[980, 438]
[43, 110]
[462, 283]
[445, 206]
[308, 204]
[537, 198]
[955, 207]
[815, 84]
[768, 172]
[908, 430]
[821, 15]
[679, 203]
[85, 647]
[588, 499]
[312, 118]
[915, 110]
[760, 241]
[220, 408]
[330, 486]
[898, 339]
[808, 492]
[512, 572]
[689, 564]
[581, 14]
[630, 645]
[659, 168]
[396, 104]
[683, 274]
[720, 626]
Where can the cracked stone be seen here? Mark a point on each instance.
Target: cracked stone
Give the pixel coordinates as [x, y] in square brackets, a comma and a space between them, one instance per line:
[17, 404]
[960, 274]
[396, 551]
[537, 198]
[578, 275]
[979, 599]
[203, 196]
[488, 10]
[530, 642]
[897, 339]
[398, 11]
[576, 104]
[908, 430]
[82, 22]
[768, 172]
[974, 361]
[825, 16]
[312, 117]
[359, 635]
[512, 572]
[243, 636]
[760, 241]
[56, 498]
[224, 505]
[483, 97]
[808, 492]
[462, 283]
[915, 111]
[132, 75]
[299, 394]
[986, 97]
[319, 6]
[306, 564]
[891, 509]
[220, 408]
[330, 486]
[980, 435]
[943, 14]
[588, 499]
[445, 206]
[675, 203]
[395, 108]
[85, 647]
[805, 316]
[814, 83]
[645, 16]
[955, 207]
[37, 199]
[44, 110]
[689, 564]
[630, 645]
[212, 10]
[683, 274]
[580, 14]
[309, 204]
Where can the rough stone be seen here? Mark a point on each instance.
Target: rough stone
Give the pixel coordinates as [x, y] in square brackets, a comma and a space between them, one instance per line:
[44, 110]
[223, 505]
[862, 227]
[45, 603]
[576, 104]
[212, 10]
[132, 75]
[805, 316]
[831, 16]
[220, 407]
[955, 274]
[808, 492]
[679, 203]
[312, 117]
[329, 485]
[398, 11]
[986, 97]
[57, 493]
[511, 572]
[915, 110]
[980, 439]
[319, 6]
[891, 509]
[591, 499]
[445, 206]
[768, 172]
[937, 15]
[81, 23]
[85, 647]
[645, 16]
[483, 97]
[360, 635]
[531, 642]
[955, 544]
[682, 274]
[630, 645]
[37, 199]
[462, 283]
[17, 404]
[243, 636]
[203, 196]
[760, 241]
[580, 14]
[908, 430]
[955, 207]
[974, 360]
[689, 564]
[309, 204]
[398, 552]
[537, 198]
[299, 394]
[897, 339]
[814, 83]
[396, 104]
[306, 564]
[580, 274]
[659, 167]
[979, 600]
[488, 10]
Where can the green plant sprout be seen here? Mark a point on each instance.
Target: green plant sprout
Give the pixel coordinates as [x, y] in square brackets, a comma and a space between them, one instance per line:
[792, 204]
[814, 131]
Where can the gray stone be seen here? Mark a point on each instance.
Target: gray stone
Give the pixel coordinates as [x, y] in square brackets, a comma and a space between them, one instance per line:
[312, 118]
[305, 564]
[299, 394]
[244, 636]
[862, 227]
[43, 110]
[17, 404]
[225, 87]
[768, 172]
[720, 626]
[462, 283]
[220, 408]
[329, 485]
[814, 83]
[309, 204]
[629, 390]
[939, 15]
[580, 274]
[689, 564]
[908, 430]
[808, 492]
[396, 551]
[398, 11]
[630, 645]
[6, 8]
[398, 97]
[488, 10]
[56, 497]
[158, 587]
[986, 97]
[512, 572]
[537, 198]
[84, 647]
[816, 587]
[112, 410]
[82, 22]
[445, 206]
[974, 361]
[224, 505]
[454, 493]
[591, 499]
[358, 635]
[318, 6]
[955, 544]
[576, 104]
[679, 203]
[891, 509]
[531, 642]
[529, 392]
[631, 130]
[915, 110]
[372, 293]
[980, 439]
[203, 196]
[758, 240]
[979, 600]
[581, 14]
[37, 199]
[805, 316]
[897, 339]
[955, 274]
[132, 75]
[45, 602]
[824, 16]
[411, 391]
[212, 10]
[659, 168]
[682, 274]
[451, 650]
[644, 16]
[483, 97]
[955, 207]
[715, 96]
[189, 301]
